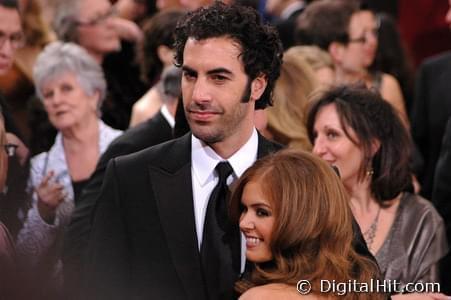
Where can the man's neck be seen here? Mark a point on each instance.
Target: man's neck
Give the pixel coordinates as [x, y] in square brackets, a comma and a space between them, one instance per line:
[232, 144]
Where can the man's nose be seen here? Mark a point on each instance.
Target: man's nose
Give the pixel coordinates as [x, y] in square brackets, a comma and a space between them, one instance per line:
[201, 91]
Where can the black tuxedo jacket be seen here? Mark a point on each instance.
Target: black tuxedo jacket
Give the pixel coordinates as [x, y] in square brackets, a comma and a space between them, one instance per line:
[430, 111]
[152, 132]
[441, 198]
[143, 243]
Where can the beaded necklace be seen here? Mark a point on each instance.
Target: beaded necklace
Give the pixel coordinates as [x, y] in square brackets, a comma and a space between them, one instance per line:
[370, 233]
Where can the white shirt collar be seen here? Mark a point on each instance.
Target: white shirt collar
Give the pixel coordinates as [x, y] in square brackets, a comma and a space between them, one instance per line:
[167, 115]
[204, 159]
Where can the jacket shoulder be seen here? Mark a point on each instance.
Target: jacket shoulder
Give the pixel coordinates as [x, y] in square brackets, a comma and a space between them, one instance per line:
[169, 154]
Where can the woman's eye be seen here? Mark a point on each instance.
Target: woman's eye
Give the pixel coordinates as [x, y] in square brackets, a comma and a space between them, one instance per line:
[66, 88]
[47, 95]
[332, 134]
[262, 212]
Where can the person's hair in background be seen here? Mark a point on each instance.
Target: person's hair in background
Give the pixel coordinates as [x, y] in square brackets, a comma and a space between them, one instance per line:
[36, 30]
[393, 58]
[312, 233]
[258, 48]
[135, 10]
[10, 4]
[311, 30]
[286, 118]
[59, 58]
[319, 60]
[359, 109]
[158, 39]
[64, 20]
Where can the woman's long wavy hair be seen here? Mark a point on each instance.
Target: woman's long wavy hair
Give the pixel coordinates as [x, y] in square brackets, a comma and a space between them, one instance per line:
[313, 234]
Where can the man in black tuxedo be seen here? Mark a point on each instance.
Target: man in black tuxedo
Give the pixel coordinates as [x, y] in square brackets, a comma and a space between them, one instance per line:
[149, 220]
[152, 220]
[441, 195]
[431, 109]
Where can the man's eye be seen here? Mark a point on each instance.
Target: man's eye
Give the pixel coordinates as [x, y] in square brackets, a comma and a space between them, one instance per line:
[188, 75]
[219, 78]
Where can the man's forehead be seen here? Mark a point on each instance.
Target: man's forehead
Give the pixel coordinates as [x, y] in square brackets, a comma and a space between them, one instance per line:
[9, 20]
[223, 44]
[217, 52]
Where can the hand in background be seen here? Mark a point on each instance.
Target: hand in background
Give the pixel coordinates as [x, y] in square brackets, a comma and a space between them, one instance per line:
[50, 196]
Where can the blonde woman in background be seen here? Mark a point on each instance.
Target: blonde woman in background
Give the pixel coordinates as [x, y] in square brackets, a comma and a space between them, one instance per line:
[319, 60]
[285, 120]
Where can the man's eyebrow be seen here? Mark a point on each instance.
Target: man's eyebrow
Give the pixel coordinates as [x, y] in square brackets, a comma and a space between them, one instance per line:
[188, 69]
[220, 70]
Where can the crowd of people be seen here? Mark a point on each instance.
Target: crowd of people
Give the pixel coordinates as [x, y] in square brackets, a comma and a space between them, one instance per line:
[199, 149]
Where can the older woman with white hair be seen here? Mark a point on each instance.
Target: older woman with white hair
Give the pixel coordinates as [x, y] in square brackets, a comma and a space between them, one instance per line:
[71, 85]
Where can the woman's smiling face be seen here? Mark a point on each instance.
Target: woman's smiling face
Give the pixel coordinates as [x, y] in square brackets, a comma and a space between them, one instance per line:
[256, 222]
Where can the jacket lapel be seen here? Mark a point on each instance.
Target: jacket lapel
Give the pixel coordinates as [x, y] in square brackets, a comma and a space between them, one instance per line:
[266, 147]
[171, 183]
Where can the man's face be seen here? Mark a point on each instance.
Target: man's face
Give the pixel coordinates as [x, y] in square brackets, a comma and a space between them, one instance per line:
[214, 84]
[10, 30]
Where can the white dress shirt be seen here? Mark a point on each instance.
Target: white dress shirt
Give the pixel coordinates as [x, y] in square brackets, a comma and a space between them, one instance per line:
[204, 178]
[167, 116]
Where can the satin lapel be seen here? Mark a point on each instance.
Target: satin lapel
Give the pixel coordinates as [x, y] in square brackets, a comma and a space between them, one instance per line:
[266, 147]
[171, 183]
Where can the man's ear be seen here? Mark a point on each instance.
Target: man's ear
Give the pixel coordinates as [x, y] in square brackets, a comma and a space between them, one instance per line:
[165, 54]
[336, 51]
[258, 86]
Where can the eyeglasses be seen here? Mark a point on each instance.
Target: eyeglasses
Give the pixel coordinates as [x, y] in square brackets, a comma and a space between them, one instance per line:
[10, 149]
[99, 19]
[364, 38]
[16, 40]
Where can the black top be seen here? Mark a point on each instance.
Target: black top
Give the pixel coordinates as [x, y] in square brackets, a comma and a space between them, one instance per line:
[78, 188]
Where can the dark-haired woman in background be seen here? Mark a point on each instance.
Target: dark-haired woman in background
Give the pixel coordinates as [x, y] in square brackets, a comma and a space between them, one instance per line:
[353, 129]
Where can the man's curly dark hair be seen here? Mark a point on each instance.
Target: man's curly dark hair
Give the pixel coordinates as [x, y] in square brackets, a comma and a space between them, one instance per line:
[261, 47]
